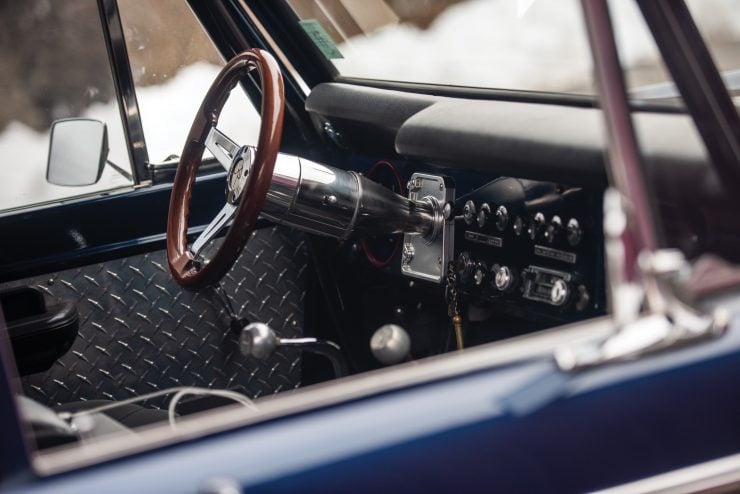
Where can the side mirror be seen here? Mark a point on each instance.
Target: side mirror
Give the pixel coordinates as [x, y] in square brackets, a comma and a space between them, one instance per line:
[77, 152]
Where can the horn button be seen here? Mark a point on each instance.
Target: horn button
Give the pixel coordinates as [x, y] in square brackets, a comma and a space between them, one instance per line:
[238, 173]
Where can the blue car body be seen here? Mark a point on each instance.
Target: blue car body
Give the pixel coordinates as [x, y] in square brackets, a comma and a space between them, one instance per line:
[501, 417]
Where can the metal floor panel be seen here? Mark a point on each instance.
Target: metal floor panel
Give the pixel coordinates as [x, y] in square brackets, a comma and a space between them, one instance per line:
[140, 332]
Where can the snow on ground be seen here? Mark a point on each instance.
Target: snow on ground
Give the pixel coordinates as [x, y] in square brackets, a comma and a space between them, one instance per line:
[167, 112]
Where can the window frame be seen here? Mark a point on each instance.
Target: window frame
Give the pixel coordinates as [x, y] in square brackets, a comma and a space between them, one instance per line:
[123, 82]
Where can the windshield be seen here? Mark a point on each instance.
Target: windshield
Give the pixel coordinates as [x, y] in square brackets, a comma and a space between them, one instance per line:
[531, 45]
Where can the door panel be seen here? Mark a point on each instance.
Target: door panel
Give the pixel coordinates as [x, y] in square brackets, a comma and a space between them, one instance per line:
[98, 229]
[140, 332]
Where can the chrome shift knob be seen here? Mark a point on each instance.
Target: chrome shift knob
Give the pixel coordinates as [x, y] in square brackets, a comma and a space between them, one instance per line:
[257, 340]
[390, 344]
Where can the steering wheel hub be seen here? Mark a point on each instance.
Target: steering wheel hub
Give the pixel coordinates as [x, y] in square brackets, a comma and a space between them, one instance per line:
[238, 173]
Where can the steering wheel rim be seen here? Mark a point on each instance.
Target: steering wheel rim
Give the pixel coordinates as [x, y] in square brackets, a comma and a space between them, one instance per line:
[186, 269]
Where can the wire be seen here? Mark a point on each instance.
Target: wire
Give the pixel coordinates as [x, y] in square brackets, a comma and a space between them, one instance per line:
[185, 391]
[179, 392]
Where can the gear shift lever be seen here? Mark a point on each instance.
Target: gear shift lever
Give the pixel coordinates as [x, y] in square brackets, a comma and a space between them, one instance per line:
[258, 340]
[390, 344]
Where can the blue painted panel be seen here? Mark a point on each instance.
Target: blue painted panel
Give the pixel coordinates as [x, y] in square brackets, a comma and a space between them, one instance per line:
[510, 430]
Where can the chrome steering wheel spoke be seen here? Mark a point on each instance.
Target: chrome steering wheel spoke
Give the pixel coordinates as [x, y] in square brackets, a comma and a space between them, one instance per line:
[236, 160]
[213, 228]
[223, 148]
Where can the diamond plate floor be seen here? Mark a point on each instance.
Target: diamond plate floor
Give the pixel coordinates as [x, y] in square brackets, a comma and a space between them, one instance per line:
[140, 332]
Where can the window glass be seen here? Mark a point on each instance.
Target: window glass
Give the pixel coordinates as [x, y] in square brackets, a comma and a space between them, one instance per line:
[647, 77]
[537, 45]
[527, 45]
[54, 66]
[719, 23]
[174, 63]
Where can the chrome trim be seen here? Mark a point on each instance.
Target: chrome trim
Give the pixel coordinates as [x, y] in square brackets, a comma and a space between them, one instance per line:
[432, 251]
[221, 147]
[721, 475]
[484, 357]
[437, 218]
[286, 180]
[215, 226]
[353, 221]
[312, 197]
[328, 201]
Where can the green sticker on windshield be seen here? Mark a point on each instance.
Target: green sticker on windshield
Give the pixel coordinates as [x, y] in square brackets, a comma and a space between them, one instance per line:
[321, 38]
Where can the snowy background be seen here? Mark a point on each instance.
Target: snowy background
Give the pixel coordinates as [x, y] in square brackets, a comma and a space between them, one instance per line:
[174, 102]
[523, 44]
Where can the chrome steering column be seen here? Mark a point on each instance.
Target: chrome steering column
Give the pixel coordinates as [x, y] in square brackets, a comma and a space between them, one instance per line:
[328, 201]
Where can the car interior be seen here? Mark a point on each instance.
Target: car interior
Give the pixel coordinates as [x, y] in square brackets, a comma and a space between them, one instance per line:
[371, 225]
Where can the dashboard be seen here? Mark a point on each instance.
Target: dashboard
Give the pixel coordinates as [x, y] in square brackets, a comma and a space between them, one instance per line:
[527, 250]
[521, 179]
[533, 249]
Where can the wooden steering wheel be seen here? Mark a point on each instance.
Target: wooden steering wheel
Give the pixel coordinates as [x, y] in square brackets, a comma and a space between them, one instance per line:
[249, 173]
